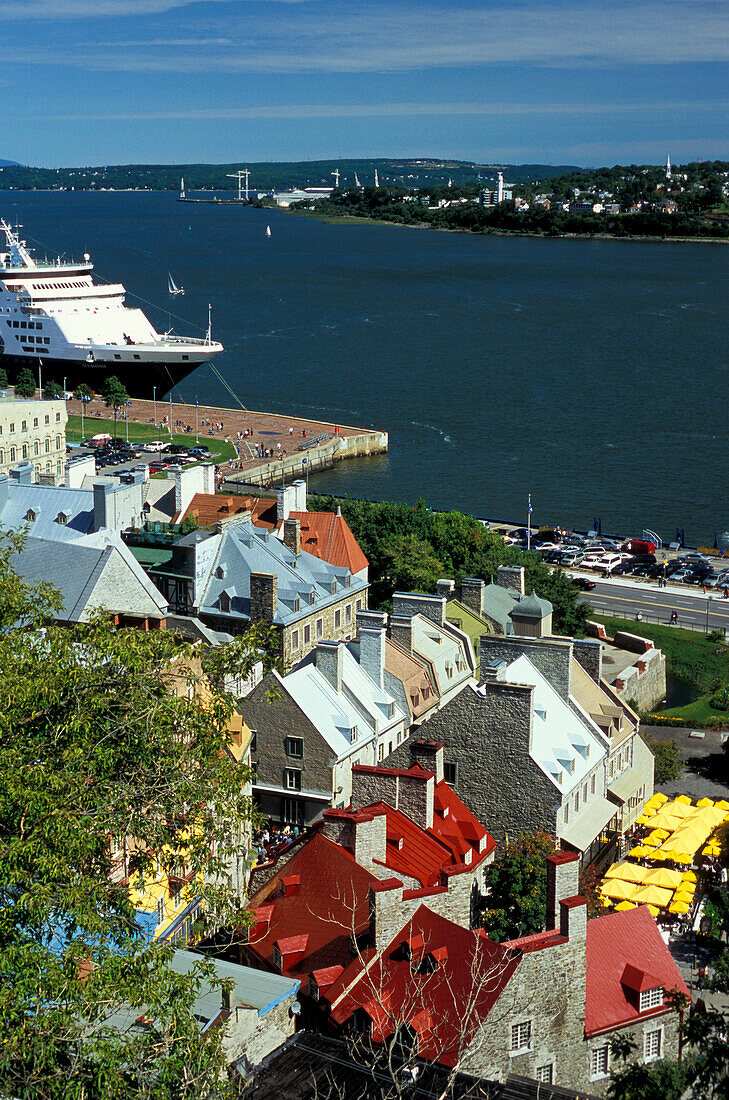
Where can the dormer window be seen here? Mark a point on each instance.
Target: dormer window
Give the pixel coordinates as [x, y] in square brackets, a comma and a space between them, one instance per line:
[651, 998]
[312, 597]
[62, 518]
[540, 713]
[220, 572]
[224, 602]
[31, 516]
[353, 735]
[297, 603]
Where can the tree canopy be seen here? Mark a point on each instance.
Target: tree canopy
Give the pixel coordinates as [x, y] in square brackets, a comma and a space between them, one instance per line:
[409, 548]
[115, 395]
[97, 746]
[516, 904]
[25, 383]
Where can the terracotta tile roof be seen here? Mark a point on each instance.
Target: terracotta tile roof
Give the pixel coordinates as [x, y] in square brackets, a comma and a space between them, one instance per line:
[445, 1003]
[332, 898]
[210, 508]
[614, 942]
[328, 536]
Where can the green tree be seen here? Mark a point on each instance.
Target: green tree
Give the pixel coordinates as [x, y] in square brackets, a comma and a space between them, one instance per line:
[83, 391]
[97, 746]
[25, 383]
[667, 754]
[3, 379]
[516, 904]
[409, 565]
[52, 391]
[115, 396]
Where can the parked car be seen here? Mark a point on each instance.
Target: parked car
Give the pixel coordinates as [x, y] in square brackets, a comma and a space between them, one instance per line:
[608, 563]
[571, 557]
[155, 446]
[592, 559]
[200, 452]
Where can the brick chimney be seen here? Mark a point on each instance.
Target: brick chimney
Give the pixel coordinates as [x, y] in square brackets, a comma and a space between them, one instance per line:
[264, 597]
[292, 535]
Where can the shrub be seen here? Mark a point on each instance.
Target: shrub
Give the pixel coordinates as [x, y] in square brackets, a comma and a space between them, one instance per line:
[668, 764]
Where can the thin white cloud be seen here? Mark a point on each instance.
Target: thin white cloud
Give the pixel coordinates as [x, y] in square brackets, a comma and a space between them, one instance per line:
[106, 9]
[388, 38]
[397, 110]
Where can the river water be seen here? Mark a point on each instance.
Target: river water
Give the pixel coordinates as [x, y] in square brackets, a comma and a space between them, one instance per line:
[589, 373]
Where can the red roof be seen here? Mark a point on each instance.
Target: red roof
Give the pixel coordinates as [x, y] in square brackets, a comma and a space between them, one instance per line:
[332, 900]
[327, 536]
[614, 942]
[444, 1005]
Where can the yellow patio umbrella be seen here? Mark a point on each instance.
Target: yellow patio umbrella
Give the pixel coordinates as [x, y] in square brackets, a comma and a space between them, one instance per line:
[662, 834]
[683, 895]
[652, 841]
[643, 819]
[679, 907]
[712, 850]
[639, 852]
[653, 910]
[661, 797]
[662, 876]
[722, 804]
[684, 798]
[681, 857]
[686, 888]
[705, 802]
[623, 905]
[629, 872]
[618, 890]
[689, 876]
[651, 895]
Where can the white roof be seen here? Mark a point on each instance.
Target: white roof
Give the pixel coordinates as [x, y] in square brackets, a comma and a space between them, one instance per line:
[562, 745]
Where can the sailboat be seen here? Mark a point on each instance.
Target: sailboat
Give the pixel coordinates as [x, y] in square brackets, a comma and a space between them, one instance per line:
[268, 230]
[182, 188]
[172, 288]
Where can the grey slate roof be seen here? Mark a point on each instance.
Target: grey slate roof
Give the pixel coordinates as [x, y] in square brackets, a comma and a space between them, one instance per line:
[46, 501]
[245, 549]
[498, 603]
[531, 607]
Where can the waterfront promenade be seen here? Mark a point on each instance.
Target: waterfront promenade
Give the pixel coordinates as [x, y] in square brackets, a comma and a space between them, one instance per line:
[268, 445]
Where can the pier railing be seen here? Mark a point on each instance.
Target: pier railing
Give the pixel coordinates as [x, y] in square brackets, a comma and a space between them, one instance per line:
[272, 471]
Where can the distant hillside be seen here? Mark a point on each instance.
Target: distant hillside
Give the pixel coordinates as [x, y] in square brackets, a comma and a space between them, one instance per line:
[267, 175]
[8, 163]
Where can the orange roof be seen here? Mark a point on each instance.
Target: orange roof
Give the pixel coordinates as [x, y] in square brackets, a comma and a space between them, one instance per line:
[416, 675]
[327, 536]
[211, 508]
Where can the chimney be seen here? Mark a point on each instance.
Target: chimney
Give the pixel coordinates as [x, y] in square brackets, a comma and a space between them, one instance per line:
[102, 493]
[472, 593]
[208, 478]
[511, 577]
[285, 499]
[494, 668]
[372, 649]
[22, 473]
[445, 588]
[299, 504]
[563, 874]
[292, 535]
[330, 662]
[401, 631]
[429, 754]
[415, 797]
[264, 597]
[588, 653]
[573, 918]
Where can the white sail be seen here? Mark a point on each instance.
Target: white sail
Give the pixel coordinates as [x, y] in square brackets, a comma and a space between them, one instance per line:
[182, 188]
[268, 230]
[172, 287]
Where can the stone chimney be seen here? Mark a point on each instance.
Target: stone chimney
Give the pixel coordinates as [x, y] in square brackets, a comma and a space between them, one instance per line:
[573, 918]
[472, 593]
[410, 791]
[416, 794]
[429, 754]
[563, 876]
[292, 535]
[511, 577]
[330, 662]
[588, 653]
[102, 494]
[494, 668]
[445, 588]
[299, 504]
[264, 597]
[401, 631]
[372, 638]
[22, 473]
[285, 502]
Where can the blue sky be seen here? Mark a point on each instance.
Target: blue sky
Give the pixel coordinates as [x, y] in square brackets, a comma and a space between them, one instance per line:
[556, 81]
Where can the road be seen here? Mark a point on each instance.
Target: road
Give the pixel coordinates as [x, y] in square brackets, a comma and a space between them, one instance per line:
[625, 596]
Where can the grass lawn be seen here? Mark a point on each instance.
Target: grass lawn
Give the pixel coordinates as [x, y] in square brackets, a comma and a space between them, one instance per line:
[143, 433]
[690, 657]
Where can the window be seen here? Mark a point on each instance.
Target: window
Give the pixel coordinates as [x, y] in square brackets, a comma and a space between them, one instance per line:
[651, 998]
[381, 752]
[294, 639]
[35, 421]
[577, 801]
[58, 442]
[521, 1036]
[584, 793]
[224, 602]
[48, 446]
[545, 1074]
[599, 1062]
[319, 628]
[307, 635]
[450, 774]
[161, 910]
[348, 613]
[47, 419]
[566, 812]
[58, 417]
[25, 450]
[337, 619]
[24, 426]
[359, 605]
[295, 746]
[652, 1045]
[292, 779]
[254, 741]
[36, 449]
[292, 811]
[176, 897]
[592, 783]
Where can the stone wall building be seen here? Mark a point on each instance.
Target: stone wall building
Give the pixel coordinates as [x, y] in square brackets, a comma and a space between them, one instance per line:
[32, 431]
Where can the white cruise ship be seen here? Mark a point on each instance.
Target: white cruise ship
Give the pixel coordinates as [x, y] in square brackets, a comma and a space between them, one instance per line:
[80, 330]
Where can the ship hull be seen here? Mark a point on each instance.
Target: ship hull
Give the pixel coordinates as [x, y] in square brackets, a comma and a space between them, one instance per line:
[140, 379]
